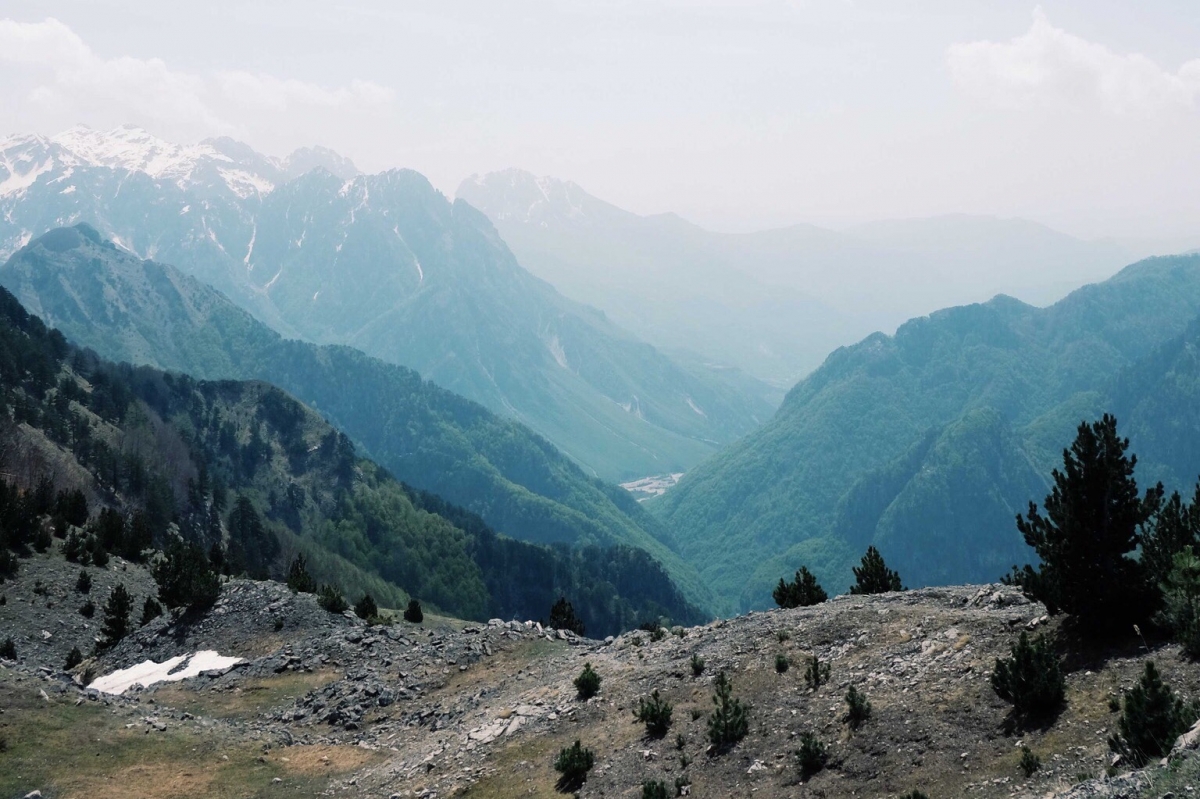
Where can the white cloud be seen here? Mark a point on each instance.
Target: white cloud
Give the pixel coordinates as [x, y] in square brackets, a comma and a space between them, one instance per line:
[262, 90]
[71, 77]
[1049, 66]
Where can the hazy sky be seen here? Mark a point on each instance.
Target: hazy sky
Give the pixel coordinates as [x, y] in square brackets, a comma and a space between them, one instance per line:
[1084, 114]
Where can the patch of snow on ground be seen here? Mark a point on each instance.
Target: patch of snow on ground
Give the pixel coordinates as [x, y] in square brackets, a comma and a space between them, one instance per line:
[148, 672]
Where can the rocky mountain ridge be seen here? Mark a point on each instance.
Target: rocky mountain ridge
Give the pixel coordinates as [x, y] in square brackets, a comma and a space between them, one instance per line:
[324, 704]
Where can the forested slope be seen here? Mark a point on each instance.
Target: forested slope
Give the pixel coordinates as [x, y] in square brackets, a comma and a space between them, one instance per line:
[140, 311]
[927, 442]
[243, 469]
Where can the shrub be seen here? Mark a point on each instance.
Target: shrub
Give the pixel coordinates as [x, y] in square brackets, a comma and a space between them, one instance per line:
[873, 576]
[811, 755]
[858, 709]
[74, 658]
[697, 663]
[413, 612]
[1029, 762]
[782, 664]
[562, 617]
[330, 597]
[42, 539]
[588, 682]
[151, 610]
[366, 608]
[915, 795]
[1030, 677]
[298, 579]
[185, 577]
[84, 584]
[87, 609]
[8, 650]
[730, 720]
[655, 713]
[573, 764]
[73, 547]
[654, 789]
[816, 673]
[1153, 717]
[115, 625]
[802, 592]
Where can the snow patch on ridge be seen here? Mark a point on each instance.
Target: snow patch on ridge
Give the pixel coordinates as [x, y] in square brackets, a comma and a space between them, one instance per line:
[19, 181]
[556, 349]
[148, 672]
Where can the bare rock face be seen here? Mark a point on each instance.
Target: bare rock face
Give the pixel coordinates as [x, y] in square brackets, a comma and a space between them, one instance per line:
[437, 709]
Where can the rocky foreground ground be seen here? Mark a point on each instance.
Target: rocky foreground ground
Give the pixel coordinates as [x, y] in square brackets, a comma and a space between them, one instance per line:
[325, 705]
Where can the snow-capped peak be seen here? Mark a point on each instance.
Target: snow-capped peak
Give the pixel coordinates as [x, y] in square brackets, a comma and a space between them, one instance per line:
[23, 158]
[517, 195]
[137, 150]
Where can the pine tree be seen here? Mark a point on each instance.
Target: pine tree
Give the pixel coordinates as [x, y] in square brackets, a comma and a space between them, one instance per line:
[873, 576]
[252, 547]
[1181, 601]
[185, 577]
[413, 612]
[1090, 528]
[811, 755]
[1153, 717]
[858, 709]
[330, 597]
[1176, 527]
[655, 713]
[366, 608]
[138, 538]
[573, 764]
[115, 625]
[299, 579]
[151, 610]
[587, 684]
[802, 592]
[1030, 678]
[730, 720]
[562, 617]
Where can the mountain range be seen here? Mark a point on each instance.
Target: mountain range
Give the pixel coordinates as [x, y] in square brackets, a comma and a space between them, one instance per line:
[928, 443]
[253, 477]
[776, 302]
[386, 264]
[142, 312]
